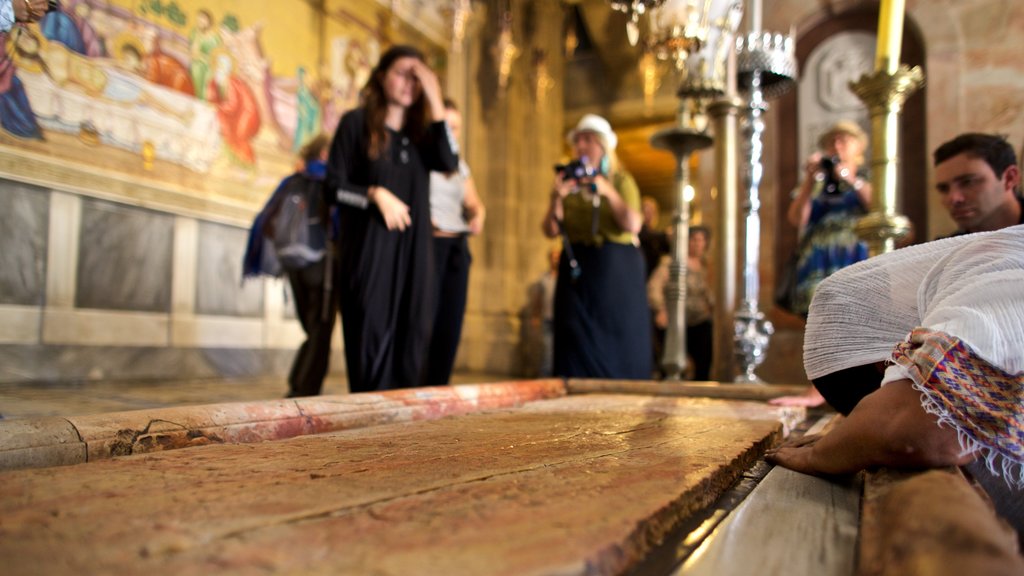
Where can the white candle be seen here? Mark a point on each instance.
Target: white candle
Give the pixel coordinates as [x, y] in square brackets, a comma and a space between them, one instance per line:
[890, 35]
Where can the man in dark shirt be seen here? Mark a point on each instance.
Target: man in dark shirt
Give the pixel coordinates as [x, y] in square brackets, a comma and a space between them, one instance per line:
[653, 242]
[977, 178]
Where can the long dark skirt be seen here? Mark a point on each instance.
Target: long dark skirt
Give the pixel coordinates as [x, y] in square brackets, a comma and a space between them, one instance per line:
[602, 323]
[385, 294]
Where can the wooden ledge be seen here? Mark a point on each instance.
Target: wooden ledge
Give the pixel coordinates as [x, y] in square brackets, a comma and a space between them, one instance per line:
[691, 389]
[932, 523]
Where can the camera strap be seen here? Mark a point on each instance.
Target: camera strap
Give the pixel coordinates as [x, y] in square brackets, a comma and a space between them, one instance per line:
[574, 265]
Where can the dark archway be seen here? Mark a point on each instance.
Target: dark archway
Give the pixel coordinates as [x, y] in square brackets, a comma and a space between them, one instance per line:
[913, 152]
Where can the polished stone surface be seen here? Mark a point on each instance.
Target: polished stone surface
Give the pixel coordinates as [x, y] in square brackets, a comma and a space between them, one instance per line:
[219, 287]
[22, 401]
[124, 258]
[63, 440]
[23, 229]
[574, 485]
[30, 366]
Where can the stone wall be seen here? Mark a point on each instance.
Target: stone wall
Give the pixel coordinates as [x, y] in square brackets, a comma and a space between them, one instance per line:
[513, 137]
[97, 289]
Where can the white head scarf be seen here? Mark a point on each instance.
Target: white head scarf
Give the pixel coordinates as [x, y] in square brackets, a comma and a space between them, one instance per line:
[969, 286]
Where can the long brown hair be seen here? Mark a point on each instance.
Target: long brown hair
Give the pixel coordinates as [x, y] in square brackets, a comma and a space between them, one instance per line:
[375, 101]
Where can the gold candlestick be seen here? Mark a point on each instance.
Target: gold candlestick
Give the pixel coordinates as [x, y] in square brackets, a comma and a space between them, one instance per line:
[890, 35]
[884, 93]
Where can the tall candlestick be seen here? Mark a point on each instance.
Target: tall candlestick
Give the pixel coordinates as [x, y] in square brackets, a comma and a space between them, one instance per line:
[890, 35]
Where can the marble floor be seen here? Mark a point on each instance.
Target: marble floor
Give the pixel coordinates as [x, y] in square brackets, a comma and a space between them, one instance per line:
[79, 398]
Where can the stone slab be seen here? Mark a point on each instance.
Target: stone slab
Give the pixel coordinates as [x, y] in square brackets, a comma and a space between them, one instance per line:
[36, 443]
[574, 485]
[143, 431]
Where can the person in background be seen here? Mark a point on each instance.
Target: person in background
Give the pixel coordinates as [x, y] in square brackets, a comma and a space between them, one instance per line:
[699, 303]
[456, 212]
[378, 173]
[653, 242]
[602, 323]
[311, 285]
[977, 178]
[21, 12]
[539, 324]
[312, 288]
[825, 207]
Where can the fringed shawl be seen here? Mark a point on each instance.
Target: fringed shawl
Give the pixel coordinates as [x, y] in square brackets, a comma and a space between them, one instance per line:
[949, 316]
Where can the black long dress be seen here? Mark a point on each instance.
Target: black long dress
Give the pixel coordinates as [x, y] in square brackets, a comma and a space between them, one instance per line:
[384, 277]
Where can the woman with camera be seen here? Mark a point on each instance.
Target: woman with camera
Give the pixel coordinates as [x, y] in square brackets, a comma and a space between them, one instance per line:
[829, 201]
[601, 325]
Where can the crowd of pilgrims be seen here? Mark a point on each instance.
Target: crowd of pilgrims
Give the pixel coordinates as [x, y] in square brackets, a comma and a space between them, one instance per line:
[402, 205]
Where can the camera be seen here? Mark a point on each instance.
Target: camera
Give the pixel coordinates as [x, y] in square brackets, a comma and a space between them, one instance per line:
[575, 170]
[828, 167]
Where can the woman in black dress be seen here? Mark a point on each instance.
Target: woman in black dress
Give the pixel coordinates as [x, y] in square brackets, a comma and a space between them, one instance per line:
[378, 174]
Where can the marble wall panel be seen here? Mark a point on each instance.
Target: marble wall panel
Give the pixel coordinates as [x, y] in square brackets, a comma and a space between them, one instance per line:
[124, 258]
[23, 233]
[94, 363]
[219, 290]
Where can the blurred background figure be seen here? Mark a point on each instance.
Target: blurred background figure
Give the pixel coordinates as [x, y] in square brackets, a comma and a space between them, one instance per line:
[699, 304]
[312, 287]
[456, 212]
[653, 242]
[378, 174]
[602, 323]
[538, 325]
[825, 207]
[295, 241]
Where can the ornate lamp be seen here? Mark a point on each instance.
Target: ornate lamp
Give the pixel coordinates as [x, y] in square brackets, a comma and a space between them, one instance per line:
[766, 67]
[634, 10]
[696, 35]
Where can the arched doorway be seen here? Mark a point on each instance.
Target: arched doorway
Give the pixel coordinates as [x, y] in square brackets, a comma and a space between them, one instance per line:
[913, 147]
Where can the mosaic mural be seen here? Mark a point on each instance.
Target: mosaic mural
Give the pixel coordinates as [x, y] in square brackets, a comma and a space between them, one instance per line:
[208, 97]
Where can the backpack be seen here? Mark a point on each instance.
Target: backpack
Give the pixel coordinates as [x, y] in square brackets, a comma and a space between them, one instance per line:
[295, 225]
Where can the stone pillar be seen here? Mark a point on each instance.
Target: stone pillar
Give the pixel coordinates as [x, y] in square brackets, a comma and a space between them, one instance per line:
[511, 141]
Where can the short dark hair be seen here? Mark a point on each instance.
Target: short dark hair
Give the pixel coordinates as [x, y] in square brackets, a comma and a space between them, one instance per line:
[844, 389]
[311, 150]
[992, 148]
[701, 230]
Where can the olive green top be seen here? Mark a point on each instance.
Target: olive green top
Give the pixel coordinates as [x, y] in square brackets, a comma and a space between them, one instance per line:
[578, 212]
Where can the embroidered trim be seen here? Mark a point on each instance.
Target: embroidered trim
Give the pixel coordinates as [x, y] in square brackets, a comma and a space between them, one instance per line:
[980, 401]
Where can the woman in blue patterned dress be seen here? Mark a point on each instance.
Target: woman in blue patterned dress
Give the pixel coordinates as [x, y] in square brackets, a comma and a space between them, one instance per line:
[829, 201]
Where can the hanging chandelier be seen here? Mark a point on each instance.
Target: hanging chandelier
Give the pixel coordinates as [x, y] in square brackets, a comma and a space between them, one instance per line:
[680, 29]
[634, 10]
[697, 37]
